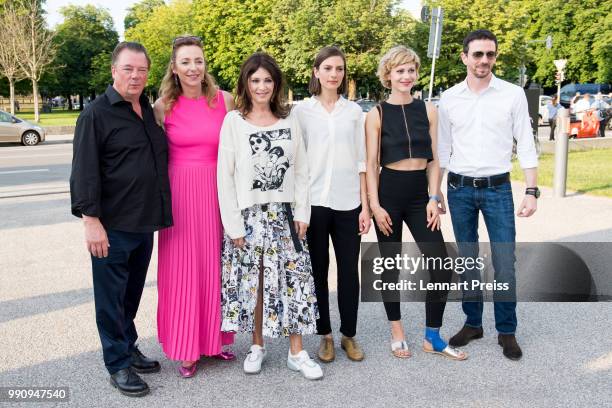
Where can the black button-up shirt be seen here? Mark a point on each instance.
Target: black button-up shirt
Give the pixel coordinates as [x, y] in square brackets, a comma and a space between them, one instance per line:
[120, 166]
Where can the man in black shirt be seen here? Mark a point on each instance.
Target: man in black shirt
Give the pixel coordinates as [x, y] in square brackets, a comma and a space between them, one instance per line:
[119, 186]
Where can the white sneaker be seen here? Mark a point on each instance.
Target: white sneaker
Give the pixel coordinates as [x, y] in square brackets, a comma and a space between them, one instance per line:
[303, 363]
[253, 360]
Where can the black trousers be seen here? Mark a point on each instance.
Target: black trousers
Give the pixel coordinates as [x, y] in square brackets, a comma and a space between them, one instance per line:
[118, 281]
[553, 125]
[343, 227]
[404, 195]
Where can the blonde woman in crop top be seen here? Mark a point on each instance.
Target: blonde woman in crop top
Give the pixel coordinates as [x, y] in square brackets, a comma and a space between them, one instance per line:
[401, 138]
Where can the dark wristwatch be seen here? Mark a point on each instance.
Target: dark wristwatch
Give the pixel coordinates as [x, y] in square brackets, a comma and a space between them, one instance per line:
[534, 191]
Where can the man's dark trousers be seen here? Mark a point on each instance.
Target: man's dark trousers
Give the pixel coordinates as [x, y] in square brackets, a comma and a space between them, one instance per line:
[118, 281]
[553, 125]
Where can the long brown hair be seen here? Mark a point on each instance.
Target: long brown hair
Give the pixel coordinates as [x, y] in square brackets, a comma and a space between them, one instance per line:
[314, 86]
[171, 88]
[244, 104]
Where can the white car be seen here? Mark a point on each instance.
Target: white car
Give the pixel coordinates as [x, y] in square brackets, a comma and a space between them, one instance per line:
[543, 110]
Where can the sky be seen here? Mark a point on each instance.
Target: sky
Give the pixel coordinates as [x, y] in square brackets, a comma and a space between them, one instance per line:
[118, 8]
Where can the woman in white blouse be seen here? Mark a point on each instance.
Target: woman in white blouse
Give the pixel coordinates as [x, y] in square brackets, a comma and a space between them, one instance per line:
[334, 136]
[267, 283]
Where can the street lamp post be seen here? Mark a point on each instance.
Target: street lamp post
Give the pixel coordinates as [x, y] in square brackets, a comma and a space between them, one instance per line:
[561, 141]
[435, 39]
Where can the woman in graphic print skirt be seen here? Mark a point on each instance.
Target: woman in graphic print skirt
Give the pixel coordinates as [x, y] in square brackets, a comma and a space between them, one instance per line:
[267, 283]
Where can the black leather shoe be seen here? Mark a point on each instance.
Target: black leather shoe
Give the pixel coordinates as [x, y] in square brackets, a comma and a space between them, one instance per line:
[465, 335]
[129, 383]
[511, 348]
[142, 364]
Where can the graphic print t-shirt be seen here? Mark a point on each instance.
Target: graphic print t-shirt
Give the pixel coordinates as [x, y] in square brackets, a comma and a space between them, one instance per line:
[259, 165]
[271, 156]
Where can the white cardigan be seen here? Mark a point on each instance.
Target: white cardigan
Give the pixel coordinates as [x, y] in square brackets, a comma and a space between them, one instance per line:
[260, 165]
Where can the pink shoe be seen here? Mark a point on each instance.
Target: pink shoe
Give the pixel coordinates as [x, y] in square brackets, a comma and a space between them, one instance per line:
[188, 372]
[225, 355]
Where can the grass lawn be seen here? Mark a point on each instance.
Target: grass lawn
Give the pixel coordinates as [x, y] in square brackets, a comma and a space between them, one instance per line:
[56, 118]
[587, 172]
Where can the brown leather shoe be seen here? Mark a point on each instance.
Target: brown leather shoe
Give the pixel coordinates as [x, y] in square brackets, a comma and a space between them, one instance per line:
[353, 351]
[511, 348]
[326, 353]
[465, 335]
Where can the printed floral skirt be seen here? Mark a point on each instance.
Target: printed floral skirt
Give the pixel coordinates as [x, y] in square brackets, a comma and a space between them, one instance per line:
[289, 300]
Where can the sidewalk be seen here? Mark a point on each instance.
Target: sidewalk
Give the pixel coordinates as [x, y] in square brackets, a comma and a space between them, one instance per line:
[63, 138]
[49, 337]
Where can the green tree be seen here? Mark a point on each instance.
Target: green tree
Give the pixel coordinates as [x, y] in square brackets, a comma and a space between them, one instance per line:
[140, 11]
[101, 75]
[231, 31]
[32, 42]
[86, 32]
[9, 60]
[158, 31]
[506, 18]
[364, 29]
[582, 34]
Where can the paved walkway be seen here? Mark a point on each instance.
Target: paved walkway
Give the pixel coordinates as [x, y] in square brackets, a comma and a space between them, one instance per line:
[49, 338]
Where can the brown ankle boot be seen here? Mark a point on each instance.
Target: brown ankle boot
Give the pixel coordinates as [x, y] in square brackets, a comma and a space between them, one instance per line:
[353, 351]
[326, 353]
[511, 348]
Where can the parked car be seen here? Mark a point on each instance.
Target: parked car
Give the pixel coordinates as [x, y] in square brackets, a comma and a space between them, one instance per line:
[568, 91]
[543, 110]
[435, 100]
[13, 129]
[366, 104]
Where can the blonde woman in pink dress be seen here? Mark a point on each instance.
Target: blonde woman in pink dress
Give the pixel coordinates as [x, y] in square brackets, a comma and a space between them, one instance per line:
[191, 109]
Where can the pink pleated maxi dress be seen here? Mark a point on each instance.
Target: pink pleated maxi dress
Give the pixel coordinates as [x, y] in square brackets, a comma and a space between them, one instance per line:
[189, 271]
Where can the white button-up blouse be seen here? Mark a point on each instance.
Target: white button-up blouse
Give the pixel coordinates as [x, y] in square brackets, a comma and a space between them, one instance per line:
[335, 146]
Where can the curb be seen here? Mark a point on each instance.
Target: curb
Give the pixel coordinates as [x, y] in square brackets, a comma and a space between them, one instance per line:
[60, 130]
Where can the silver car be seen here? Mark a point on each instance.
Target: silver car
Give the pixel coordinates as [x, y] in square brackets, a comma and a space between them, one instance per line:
[13, 129]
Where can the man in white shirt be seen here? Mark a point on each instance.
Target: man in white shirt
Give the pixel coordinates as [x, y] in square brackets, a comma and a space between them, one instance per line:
[582, 106]
[477, 122]
[601, 107]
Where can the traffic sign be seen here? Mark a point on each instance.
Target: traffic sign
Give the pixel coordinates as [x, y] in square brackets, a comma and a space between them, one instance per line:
[435, 33]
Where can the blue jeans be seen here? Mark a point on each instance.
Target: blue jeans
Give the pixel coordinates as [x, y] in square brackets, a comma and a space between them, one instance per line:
[497, 207]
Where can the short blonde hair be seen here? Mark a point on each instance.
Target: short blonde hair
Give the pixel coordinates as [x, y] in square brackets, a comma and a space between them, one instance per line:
[398, 55]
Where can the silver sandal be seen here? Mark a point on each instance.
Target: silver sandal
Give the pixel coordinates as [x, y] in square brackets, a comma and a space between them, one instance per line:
[397, 347]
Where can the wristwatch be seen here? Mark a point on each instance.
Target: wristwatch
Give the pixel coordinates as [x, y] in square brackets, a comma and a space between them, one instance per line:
[534, 191]
[434, 198]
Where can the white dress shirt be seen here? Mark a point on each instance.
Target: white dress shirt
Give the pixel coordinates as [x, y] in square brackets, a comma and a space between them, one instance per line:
[335, 146]
[476, 131]
[580, 107]
[260, 165]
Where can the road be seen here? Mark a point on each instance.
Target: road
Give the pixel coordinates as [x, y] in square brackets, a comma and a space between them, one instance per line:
[41, 169]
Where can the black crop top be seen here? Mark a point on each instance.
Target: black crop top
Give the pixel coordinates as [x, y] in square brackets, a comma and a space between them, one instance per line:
[396, 143]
